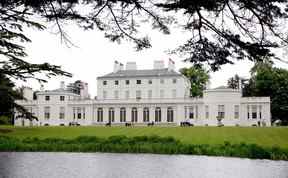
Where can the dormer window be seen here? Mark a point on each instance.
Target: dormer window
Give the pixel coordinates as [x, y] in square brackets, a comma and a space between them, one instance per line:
[116, 82]
[104, 82]
[47, 98]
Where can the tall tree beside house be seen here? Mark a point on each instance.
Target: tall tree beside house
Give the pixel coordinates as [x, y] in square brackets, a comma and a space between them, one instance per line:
[271, 81]
[198, 78]
[7, 96]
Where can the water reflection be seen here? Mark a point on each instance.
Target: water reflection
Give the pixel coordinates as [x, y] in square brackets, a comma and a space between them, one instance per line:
[67, 165]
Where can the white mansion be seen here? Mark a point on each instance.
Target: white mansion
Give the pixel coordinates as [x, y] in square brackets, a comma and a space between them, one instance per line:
[159, 95]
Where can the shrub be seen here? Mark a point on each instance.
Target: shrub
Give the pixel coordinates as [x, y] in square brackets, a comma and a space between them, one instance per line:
[140, 144]
[4, 120]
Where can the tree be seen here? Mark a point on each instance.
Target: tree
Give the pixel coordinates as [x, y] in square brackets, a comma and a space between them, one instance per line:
[271, 81]
[234, 82]
[198, 78]
[7, 96]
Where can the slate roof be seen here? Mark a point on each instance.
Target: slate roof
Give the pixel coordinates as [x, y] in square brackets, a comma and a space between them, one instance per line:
[141, 73]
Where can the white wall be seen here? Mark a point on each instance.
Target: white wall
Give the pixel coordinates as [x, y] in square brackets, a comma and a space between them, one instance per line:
[144, 87]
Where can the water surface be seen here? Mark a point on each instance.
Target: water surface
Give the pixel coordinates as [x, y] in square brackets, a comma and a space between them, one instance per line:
[107, 165]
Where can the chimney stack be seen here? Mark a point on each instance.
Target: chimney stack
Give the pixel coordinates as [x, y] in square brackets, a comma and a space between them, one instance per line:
[131, 66]
[159, 64]
[121, 66]
[62, 85]
[116, 66]
[171, 65]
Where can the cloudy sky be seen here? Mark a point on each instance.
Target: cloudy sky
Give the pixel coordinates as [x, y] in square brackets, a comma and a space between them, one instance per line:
[94, 56]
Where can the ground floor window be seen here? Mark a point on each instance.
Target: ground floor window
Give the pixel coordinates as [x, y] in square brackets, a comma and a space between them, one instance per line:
[78, 113]
[221, 111]
[122, 115]
[62, 113]
[207, 112]
[254, 112]
[170, 114]
[248, 112]
[146, 114]
[99, 115]
[191, 112]
[47, 112]
[158, 114]
[260, 112]
[236, 112]
[134, 115]
[111, 115]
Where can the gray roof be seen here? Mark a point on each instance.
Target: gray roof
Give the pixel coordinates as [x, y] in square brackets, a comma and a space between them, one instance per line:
[221, 87]
[141, 73]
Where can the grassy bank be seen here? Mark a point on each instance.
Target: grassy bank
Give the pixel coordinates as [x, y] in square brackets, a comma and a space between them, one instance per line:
[140, 144]
[264, 137]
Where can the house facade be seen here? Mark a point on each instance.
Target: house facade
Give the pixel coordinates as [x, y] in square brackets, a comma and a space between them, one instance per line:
[159, 95]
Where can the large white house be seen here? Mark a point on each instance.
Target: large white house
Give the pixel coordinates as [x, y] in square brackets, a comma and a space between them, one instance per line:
[159, 95]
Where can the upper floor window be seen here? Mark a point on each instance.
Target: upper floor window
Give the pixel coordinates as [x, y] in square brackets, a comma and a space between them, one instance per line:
[149, 81]
[104, 82]
[174, 93]
[138, 94]
[104, 94]
[47, 98]
[149, 93]
[127, 82]
[62, 98]
[116, 82]
[127, 94]
[162, 81]
[116, 94]
[161, 93]
[138, 82]
[174, 80]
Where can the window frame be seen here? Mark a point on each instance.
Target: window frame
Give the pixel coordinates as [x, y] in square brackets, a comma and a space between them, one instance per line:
[47, 98]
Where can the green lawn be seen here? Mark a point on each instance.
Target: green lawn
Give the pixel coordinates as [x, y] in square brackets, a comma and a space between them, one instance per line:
[267, 137]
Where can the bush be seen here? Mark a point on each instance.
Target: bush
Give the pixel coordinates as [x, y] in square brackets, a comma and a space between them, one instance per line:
[140, 144]
[4, 120]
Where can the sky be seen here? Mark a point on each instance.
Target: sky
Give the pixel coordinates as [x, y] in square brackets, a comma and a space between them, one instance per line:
[93, 56]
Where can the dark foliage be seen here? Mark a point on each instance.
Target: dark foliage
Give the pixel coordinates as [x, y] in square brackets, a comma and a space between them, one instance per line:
[270, 81]
[141, 144]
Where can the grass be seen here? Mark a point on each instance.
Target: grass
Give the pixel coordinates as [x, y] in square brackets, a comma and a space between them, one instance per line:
[267, 137]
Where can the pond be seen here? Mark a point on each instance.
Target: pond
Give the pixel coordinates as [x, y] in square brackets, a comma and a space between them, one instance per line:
[109, 165]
